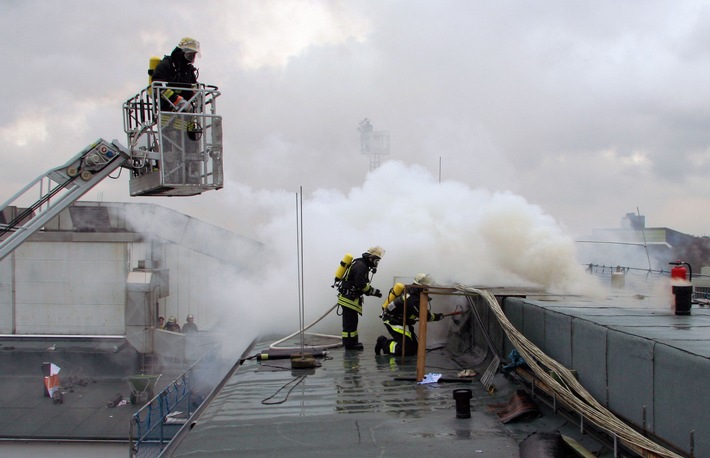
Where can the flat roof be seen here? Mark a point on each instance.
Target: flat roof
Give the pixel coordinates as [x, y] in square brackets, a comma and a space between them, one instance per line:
[360, 404]
[93, 371]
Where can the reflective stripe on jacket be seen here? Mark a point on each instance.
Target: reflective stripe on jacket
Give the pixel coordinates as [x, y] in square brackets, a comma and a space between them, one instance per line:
[356, 283]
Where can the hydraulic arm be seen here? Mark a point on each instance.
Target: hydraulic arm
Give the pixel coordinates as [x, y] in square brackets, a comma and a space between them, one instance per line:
[171, 152]
[58, 188]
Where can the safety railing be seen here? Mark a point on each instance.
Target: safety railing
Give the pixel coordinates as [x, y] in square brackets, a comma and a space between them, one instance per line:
[155, 424]
[175, 150]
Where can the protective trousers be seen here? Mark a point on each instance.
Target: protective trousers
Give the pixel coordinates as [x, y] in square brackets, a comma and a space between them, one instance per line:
[350, 321]
[394, 345]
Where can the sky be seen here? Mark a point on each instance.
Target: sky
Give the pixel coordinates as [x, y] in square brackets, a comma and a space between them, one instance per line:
[578, 111]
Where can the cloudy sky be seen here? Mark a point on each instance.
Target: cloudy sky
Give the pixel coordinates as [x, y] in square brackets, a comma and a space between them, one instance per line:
[586, 110]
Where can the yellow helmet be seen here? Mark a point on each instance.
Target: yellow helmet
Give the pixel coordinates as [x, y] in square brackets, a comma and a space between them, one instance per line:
[188, 44]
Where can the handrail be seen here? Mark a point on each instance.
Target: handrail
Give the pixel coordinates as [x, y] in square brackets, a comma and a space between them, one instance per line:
[154, 424]
[175, 151]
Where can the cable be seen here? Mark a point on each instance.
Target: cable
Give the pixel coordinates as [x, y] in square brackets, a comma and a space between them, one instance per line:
[300, 379]
[570, 390]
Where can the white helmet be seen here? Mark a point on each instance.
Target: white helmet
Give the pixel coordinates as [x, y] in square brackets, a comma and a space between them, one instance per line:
[190, 45]
[423, 279]
[376, 251]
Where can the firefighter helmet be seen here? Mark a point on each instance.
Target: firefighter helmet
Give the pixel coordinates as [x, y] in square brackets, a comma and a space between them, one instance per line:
[377, 251]
[423, 279]
[190, 45]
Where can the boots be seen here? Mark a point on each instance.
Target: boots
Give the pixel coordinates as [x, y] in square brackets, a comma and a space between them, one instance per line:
[381, 345]
[351, 343]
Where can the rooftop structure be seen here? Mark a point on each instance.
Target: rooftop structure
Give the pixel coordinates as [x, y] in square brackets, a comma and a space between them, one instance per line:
[373, 143]
[634, 361]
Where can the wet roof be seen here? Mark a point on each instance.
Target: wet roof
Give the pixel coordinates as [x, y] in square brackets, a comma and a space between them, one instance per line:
[630, 352]
[356, 403]
[369, 404]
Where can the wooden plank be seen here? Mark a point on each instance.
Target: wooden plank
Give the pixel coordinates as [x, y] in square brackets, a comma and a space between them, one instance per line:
[421, 348]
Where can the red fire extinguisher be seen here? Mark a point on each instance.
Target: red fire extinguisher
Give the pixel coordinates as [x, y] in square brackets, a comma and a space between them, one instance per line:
[679, 272]
[682, 292]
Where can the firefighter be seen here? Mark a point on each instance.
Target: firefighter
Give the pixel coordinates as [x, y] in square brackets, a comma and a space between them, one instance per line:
[190, 325]
[394, 320]
[355, 285]
[177, 69]
[172, 325]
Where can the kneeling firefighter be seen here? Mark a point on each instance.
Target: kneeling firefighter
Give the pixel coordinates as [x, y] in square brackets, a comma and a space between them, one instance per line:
[354, 285]
[394, 320]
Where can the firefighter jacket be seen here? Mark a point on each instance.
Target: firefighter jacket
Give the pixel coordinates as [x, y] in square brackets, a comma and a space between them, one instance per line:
[393, 313]
[355, 284]
[176, 71]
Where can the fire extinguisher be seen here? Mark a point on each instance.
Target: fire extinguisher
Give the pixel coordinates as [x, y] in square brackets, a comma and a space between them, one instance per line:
[679, 272]
[682, 292]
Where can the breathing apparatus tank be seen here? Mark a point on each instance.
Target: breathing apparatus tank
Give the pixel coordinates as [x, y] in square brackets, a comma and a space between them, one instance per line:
[342, 268]
[395, 292]
[152, 63]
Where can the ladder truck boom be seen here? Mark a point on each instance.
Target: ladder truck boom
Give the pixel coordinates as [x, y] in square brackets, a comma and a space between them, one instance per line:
[58, 188]
[171, 152]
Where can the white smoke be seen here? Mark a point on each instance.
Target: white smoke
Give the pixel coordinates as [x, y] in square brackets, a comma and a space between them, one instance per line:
[453, 232]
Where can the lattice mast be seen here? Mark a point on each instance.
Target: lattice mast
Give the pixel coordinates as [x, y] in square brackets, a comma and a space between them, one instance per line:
[373, 143]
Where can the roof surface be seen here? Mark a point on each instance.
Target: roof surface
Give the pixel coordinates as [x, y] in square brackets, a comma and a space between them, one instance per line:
[356, 403]
[92, 373]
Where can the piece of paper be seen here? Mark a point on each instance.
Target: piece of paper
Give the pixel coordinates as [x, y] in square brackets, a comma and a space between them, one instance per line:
[430, 378]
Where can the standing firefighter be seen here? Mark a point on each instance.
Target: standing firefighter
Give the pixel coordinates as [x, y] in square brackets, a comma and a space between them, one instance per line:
[179, 143]
[356, 284]
[395, 322]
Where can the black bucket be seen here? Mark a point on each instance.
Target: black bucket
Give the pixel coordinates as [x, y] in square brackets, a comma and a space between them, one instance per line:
[463, 403]
[683, 299]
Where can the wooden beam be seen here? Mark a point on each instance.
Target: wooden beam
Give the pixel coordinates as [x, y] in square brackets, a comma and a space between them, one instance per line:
[421, 348]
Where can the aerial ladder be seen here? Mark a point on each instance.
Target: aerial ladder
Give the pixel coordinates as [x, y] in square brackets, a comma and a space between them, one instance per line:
[175, 152]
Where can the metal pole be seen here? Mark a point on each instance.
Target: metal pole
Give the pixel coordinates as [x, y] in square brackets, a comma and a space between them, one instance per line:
[404, 323]
[299, 255]
[645, 245]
